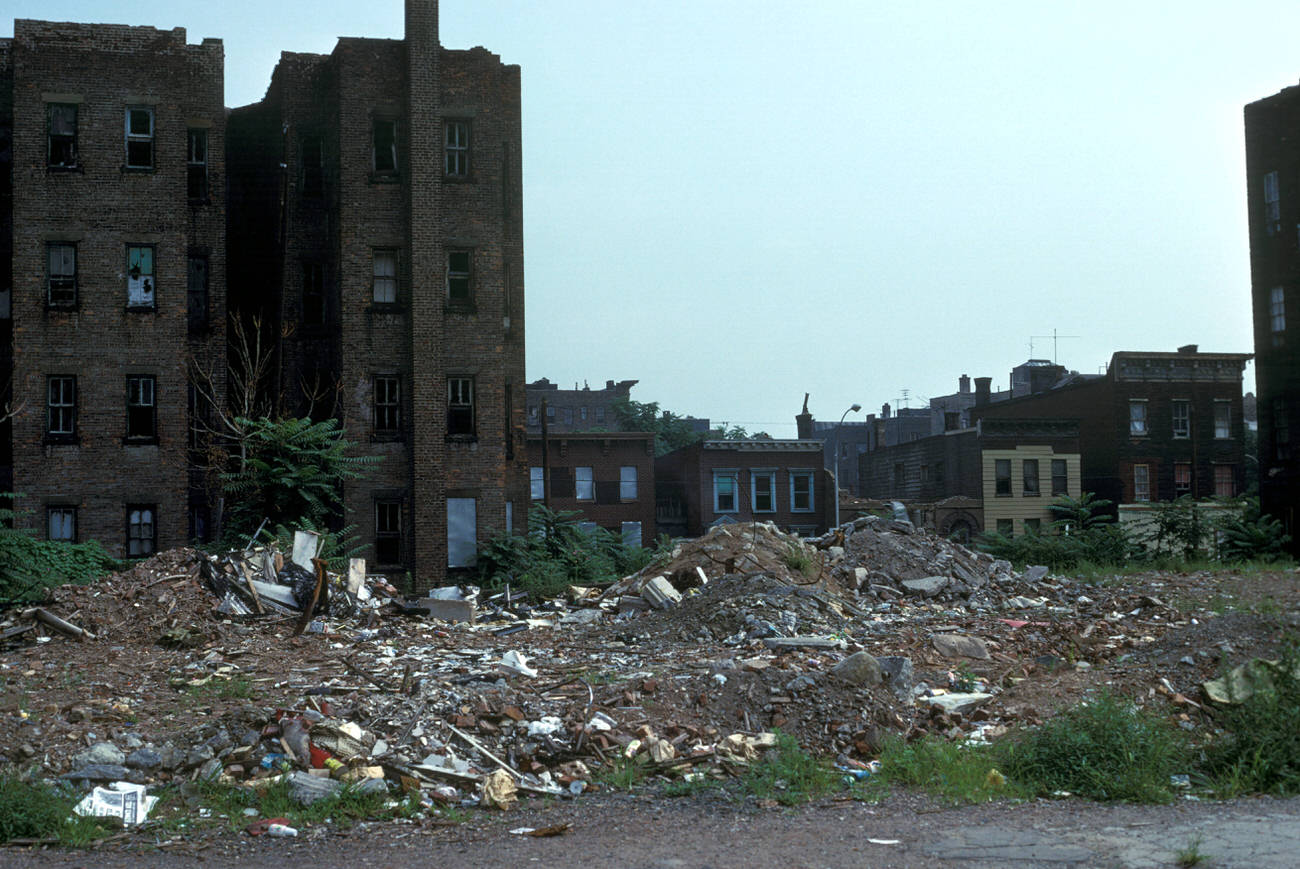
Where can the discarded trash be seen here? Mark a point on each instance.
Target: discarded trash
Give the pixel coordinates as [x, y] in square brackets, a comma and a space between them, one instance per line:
[128, 802]
[516, 664]
[499, 790]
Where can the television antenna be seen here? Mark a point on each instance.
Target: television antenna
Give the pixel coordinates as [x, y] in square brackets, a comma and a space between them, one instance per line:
[1055, 337]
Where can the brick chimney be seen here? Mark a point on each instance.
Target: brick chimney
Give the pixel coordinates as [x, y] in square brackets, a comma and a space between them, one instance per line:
[803, 421]
[963, 384]
[983, 390]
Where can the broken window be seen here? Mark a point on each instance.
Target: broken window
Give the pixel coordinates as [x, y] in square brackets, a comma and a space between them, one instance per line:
[313, 294]
[1029, 473]
[313, 166]
[1141, 483]
[61, 151]
[388, 531]
[627, 483]
[61, 523]
[457, 149]
[537, 483]
[631, 534]
[1272, 204]
[388, 405]
[62, 287]
[196, 164]
[1222, 419]
[1060, 477]
[801, 491]
[762, 491]
[385, 277]
[139, 137]
[196, 294]
[61, 407]
[460, 405]
[1182, 415]
[1137, 417]
[585, 486]
[141, 410]
[724, 491]
[458, 279]
[385, 141]
[1225, 483]
[141, 530]
[462, 532]
[1001, 476]
[1182, 479]
[139, 276]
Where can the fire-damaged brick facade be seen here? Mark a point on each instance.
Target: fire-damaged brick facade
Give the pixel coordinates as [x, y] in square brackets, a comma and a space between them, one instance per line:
[372, 222]
[115, 252]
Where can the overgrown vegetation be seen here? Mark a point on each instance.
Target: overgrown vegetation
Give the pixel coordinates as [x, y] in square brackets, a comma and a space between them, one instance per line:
[557, 553]
[623, 773]
[29, 566]
[789, 775]
[672, 432]
[955, 772]
[343, 809]
[1105, 749]
[1261, 751]
[1252, 536]
[35, 810]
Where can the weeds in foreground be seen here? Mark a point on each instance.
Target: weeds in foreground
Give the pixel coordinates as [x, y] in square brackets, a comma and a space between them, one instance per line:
[238, 688]
[35, 810]
[690, 786]
[624, 773]
[955, 772]
[344, 809]
[1190, 854]
[1261, 752]
[789, 775]
[797, 557]
[1105, 749]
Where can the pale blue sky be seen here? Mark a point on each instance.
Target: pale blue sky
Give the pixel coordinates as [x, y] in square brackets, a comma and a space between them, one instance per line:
[739, 202]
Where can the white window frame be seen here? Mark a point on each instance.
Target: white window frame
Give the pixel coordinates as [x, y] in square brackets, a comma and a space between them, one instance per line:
[537, 483]
[136, 137]
[141, 530]
[768, 475]
[141, 285]
[383, 275]
[61, 405]
[1222, 420]
[1141, 483]
[1182, 421]
[584, 484]
[1138, 419]
[627, 483]
[61, 523]
[733, 475]
[460, 399]
[456, 144]
[462, 532]
[808, 477]
[142, 394]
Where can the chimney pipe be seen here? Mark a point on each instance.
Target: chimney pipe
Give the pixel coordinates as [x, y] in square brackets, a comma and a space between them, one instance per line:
[884, 410]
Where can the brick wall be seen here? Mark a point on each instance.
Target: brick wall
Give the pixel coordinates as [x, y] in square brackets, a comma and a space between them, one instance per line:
[605, 454]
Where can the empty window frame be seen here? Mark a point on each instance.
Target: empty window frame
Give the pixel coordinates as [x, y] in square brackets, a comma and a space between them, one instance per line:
[724, 491]
[61, 280]
[460, 278]
[1222, 419]
[61, 524]
[140, 284]
[1137, 417]
[384, 276]
[1029, 474]
[456, 148]
[196, 164]
[141, 407]
[1001, 476]
[61, 144]
[388, 405]
[313, 294]
[1182, 416]
[141, 530]
[631, 534]
[536, 483]
[460, 405]
[384, 136]
[627, 483]
[584, 484]
[1060, 477]
[196, 294]
[1141, 483]
[1277, 314]
[388, 531]
[61, 407]
[462, 532]
[313, 166]
[762, 491]
[801, 491]
[1272, 204]
[139, 137]
[1182, 479]
[1225, 481]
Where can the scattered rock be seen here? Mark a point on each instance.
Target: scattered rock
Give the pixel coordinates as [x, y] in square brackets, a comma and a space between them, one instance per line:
[859, 668]
[927, 586]
[958, 703]
[960, 646]
[100, 753]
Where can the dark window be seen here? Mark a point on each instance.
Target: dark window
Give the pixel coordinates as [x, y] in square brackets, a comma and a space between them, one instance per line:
[600, 414]
[460, 406]
[62, 287]
[141, 411]
[388, 532]
[1002, 476]
[1029, 469]
[1060, 477]
[61, 523]
[508, 418]
[459, 277]
[1182, 479]
[61, 406]
[457, 149]
[1281, 430]
[140, 285]
[1005, 526]
[313, 166]
[385, 139]
[139, 137]
[141, 530]
[384, 276]
[61, 151]
[388, 405]
[1033, 526]
[196, 164]
[313, 294]
[196, 294]
[1225, 481]
[566, 414]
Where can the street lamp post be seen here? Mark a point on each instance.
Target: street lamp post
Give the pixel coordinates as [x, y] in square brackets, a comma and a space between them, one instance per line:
[835, 472]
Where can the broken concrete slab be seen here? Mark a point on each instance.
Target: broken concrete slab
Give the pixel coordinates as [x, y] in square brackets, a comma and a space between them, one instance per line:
[960, 646]
[927, 586]
[660, 593]
[898, 674]
[803, 643]
[461, 610]
[959, 703]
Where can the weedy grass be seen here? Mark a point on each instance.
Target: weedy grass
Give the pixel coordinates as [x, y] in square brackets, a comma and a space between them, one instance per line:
[789, 775]
[623, 773]
[344, 809]
[1190, 854]
[35, 810]
[1260, 753]
[955, 772]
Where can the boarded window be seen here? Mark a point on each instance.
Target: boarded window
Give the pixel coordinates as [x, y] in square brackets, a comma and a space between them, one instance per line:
[462, 532]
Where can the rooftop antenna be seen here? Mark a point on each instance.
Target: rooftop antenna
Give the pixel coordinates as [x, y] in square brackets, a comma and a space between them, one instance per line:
[1055, 337]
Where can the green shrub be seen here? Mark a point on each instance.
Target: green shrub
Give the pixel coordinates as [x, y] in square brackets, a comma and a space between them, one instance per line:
[789, 775]
[28, 566]
[1252, 535]
[956, 772]
[1261, 751]
[1105, 749]
[34, 810]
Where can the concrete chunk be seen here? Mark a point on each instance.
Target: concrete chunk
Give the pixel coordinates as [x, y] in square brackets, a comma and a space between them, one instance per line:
[660, 593]
[859, 668]
[961, 703]
[959, 646]
[449, 610]
[926, 587]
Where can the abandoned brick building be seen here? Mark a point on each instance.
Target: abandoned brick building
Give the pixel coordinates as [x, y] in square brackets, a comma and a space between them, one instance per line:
[373, 200]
